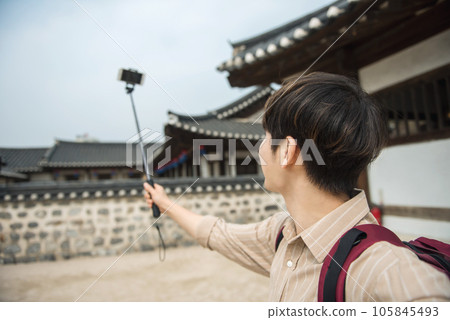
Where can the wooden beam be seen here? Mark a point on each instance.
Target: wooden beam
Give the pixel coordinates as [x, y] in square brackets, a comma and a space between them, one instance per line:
[440, 214]
[422, 137]
[409, 32]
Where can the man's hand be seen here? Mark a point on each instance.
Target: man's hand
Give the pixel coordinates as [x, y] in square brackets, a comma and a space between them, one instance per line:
[188, 220]
[157, 196]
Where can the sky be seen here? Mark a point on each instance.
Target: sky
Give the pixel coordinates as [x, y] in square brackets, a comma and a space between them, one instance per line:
[59, 69]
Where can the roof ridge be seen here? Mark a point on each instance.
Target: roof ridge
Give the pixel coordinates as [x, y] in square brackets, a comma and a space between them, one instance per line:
[23, 149]
[254, 92]
[288, 25]
[89, 142]
[225, 111]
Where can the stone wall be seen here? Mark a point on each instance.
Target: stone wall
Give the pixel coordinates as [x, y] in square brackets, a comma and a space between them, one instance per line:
[66, 227]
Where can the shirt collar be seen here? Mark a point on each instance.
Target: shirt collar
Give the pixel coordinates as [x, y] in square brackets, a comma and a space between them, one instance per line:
[321, 236]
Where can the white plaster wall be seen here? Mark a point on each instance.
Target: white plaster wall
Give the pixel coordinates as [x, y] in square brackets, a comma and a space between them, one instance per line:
[412, 175]
[424, 56]
[415, 174]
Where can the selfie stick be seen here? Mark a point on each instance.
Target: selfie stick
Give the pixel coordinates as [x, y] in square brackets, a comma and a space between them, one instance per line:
[132, 77]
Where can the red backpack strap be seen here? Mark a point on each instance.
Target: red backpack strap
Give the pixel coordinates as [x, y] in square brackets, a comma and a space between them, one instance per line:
[433, 252]
[432, 246]
[343, 253]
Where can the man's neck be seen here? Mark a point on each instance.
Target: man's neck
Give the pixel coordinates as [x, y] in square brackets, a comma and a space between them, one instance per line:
[307, 204]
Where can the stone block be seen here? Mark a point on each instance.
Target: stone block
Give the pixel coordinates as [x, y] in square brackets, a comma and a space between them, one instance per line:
[65, 245]
[12, 249]
[117, 230]
[55, 223]
[14, 236]
[43, 234]
[40, 213]
[34, 248]
[22, 214]
[29, 235]
[146, 247]
[81, 243]
[47, 257]
[71, 233]
[99, 241]
[78, 222]
[84, 254]
[57, 213]
[103, 211]
[16, 226]
[51, 246]
[32, 225]
[74, 211]
[88, 230]
[116, 240]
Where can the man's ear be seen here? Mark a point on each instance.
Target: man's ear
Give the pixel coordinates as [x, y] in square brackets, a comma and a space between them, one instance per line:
[290, 153]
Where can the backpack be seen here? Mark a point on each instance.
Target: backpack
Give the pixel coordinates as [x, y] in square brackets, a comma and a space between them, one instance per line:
[353, 243]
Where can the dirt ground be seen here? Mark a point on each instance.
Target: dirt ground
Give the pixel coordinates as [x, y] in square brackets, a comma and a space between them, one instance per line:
[187, 274]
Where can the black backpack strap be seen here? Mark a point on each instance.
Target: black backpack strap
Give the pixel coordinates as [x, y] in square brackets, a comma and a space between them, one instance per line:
[279, 238]
[346, 243]
[444, 264]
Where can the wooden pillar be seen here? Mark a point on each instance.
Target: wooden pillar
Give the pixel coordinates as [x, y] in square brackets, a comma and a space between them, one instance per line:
[216, 169]
[184, 170]
[233, 170]
[204, 168]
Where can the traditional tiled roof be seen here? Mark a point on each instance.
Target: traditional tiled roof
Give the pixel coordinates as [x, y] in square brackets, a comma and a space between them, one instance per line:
[220, 128]
[282, 38]
[11, 174]
[227, 121]
[85, 154]
[233, 109]
[21, 159]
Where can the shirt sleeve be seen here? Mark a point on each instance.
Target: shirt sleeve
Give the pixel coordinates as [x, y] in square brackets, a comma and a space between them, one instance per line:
[250, 245]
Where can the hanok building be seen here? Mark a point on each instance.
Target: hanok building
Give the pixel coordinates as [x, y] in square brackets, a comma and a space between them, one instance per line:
[68, 161]
[399, 52]
[238, 128]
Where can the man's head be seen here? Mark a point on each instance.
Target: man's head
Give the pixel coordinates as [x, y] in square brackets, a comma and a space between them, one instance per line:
[342, 120]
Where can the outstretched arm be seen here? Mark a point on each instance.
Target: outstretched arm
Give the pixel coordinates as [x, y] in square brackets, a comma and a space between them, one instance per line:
[250, 245]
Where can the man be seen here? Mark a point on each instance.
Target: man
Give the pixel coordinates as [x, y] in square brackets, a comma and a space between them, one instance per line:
[349, 131]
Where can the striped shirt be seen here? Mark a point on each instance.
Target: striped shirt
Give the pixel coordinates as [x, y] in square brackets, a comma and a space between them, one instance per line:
[383, 272]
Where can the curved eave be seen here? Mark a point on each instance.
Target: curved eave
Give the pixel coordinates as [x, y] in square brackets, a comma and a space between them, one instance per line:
[274, 42]
[222, 129]
[243, 103]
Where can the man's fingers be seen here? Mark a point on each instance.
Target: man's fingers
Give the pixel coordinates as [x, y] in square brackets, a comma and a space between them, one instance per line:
[148, 188]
